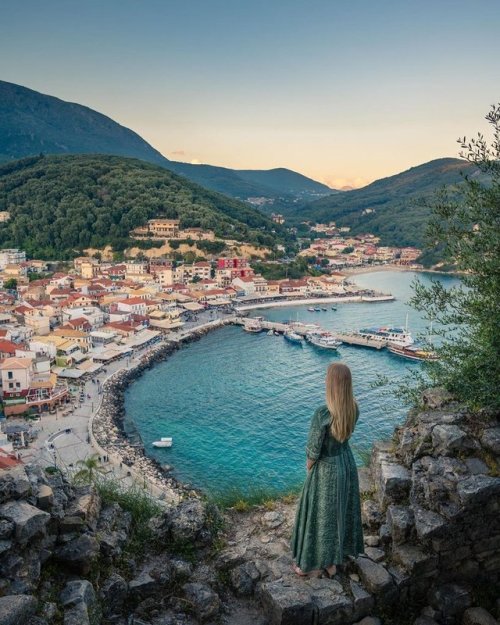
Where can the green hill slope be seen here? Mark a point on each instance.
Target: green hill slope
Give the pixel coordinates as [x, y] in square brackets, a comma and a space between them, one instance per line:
[394, 208]
[59, 205]
[32, 123]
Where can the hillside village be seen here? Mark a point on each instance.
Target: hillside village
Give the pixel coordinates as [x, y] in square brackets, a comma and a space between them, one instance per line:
[60, 327]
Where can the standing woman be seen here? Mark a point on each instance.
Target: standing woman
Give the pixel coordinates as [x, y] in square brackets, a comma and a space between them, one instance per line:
[328, 519]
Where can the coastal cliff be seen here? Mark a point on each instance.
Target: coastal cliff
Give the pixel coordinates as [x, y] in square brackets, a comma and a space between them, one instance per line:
[431, 502]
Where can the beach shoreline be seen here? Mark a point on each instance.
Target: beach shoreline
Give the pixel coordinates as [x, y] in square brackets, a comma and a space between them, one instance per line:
[357, 271]
[308, 301]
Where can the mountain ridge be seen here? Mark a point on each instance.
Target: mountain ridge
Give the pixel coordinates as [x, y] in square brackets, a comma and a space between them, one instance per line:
[32, 122]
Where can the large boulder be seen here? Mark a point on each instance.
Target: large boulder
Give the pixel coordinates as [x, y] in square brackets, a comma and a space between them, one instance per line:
[490, 440]
[478, 489]
[375, 577]
[394, 481]
[286, 603]
[14, 484]
[17, 609]
[80, 603]
[79, 554]
[113, 594]
[244, 578]
[332, 605]
[28, 520]
[450, 439]
[205, 601]
[401, 521]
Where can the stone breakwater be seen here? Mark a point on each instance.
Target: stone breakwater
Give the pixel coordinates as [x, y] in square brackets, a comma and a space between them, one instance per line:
[108, 423]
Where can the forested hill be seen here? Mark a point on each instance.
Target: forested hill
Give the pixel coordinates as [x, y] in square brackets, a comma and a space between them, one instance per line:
[394, 208]
[60, 205]
[32, 123]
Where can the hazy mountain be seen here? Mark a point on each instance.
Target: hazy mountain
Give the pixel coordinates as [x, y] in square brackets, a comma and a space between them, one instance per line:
[62, 204]
[394, 207]
[32, 123]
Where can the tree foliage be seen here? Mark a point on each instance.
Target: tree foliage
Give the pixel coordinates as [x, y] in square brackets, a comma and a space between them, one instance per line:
[468, 316]
[60, 205]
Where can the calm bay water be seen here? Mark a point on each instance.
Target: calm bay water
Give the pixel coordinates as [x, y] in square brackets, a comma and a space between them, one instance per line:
[238, 405]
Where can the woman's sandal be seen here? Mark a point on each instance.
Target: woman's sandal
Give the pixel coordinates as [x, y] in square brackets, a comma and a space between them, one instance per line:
[298, 571]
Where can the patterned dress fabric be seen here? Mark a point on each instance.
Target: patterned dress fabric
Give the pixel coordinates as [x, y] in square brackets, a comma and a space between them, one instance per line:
[328, 518]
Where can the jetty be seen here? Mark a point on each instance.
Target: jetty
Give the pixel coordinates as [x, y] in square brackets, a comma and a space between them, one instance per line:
[352, 338]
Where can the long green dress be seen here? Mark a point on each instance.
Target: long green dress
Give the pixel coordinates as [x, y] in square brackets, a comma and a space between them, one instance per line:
[328, 519]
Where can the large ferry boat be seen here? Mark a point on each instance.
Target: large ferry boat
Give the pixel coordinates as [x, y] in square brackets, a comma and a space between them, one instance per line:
[397, 336]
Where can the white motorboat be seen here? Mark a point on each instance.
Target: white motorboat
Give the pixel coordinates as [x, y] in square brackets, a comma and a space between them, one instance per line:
[324, 340]
[165, 441]
[293, 337]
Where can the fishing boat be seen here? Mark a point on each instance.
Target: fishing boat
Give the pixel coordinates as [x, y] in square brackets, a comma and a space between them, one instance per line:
[324, 340]
[293, 337]
[165, 441]
[412, 352]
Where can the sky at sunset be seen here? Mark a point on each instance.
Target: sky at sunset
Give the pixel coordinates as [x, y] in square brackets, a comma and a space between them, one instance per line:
[344, 92]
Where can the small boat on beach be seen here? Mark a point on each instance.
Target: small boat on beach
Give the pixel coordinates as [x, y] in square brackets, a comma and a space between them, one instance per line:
[293, 337]
[165, 441]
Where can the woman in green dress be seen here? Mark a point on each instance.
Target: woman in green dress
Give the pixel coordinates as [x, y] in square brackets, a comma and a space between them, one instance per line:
[328, 519]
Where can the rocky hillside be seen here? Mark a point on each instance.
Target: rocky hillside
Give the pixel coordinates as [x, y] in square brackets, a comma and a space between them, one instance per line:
[431, 502]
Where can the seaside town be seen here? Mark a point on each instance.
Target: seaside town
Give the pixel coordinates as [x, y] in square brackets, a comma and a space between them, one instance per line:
[65, 326]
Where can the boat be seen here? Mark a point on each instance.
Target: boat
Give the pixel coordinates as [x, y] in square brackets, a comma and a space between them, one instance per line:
[333, 308]
[387, 334]
[271, 332]
[325, 309]
[317, 309]
[310, 309]
[253, 325]
[324, 340]
[165, 441]
[293, 337]
[412, 352]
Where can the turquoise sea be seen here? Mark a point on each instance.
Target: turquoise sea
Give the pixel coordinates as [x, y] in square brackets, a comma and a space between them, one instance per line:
[238, 405]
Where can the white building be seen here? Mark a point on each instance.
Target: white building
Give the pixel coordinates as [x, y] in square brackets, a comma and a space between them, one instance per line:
[11, 257]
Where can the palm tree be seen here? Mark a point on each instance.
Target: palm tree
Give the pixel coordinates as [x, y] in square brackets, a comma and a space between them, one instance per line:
[89, 470]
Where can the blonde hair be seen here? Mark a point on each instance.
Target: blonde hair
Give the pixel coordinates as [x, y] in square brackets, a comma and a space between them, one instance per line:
[340, 401]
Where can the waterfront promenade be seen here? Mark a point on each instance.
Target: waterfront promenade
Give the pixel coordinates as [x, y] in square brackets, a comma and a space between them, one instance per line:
[64, 440]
